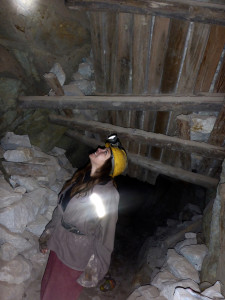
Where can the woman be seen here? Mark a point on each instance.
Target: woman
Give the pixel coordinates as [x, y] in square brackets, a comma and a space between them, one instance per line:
[81, 233]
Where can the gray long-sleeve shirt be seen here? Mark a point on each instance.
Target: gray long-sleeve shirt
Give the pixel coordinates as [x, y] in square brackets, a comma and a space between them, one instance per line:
[95, 215]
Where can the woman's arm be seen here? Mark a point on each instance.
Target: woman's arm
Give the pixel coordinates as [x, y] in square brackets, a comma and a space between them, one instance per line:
[99, 261]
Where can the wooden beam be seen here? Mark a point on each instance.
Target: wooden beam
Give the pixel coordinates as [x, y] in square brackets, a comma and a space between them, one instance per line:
[54, 83]
[155, 166]
[141, 136]
[195, 11]
[177, 173]
[191, 103]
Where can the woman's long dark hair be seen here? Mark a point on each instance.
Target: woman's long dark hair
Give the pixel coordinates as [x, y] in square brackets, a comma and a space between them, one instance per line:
[81, 187]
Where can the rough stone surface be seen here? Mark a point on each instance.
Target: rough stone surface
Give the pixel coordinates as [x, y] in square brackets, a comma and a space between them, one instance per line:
[144, 293]
[8, 252]
[28, 183]
[180, 267]
[213, 291]
[201, 127]
[12, 141]
[15, 271]
[19, 155]
[186, 242]
[195, 254]
[169, 287]
[7, 194]
[16, 240]
[38, 226]
[162, 277]
[11, 291]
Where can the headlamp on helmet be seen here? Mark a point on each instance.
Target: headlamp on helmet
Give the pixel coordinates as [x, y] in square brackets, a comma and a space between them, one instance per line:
[119, 156]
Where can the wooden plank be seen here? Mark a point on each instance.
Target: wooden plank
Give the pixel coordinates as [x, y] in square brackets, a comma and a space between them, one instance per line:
[140, 44]
[158, 53]
[177, 173]
[217, 136]
[154, 165]
[97, 48]
[124, 53]
[174, 54]
[192, 103]
[137, 135]
[211, 58]
[173, 58]
[199, 34]
[55, 85]
[220, 81]
[183, 132]
[196, 11]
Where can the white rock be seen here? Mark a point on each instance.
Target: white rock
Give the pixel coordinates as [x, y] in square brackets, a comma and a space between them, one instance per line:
[63, 174]
[186, 242]
[12, 141]
[18, 155]
[201, 127]
[18, 241]
[57, 186]
[72, 89]
[57, 151]
[28, 183]
[16, 271]
[162, 277]
[190, 235]
[85, 70]
[38, 226]
[20, 190]
[169, 288]
[187, 294]
[144, 292]
[180, 267]
[7, 194]
[15, 217]
[12, 291]
[213, 291]
[48, 213]
[8, 252]
[195, 254]
[58, 71]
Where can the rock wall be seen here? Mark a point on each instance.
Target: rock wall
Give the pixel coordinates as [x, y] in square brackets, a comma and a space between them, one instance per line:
[34, 35]
[213, 267]
[29, 184]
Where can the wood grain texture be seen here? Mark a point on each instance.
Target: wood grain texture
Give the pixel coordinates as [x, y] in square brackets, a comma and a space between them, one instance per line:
[195, 49]
[197, 11]
[211, 58]
[137, 135]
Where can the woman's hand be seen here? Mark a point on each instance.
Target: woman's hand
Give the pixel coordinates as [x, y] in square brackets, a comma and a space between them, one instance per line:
[43, 243]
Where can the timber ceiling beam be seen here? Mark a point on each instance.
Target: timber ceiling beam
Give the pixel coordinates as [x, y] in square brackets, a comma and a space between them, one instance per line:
[153, 165]
[195, 11]
[144, 137]
[207, 102]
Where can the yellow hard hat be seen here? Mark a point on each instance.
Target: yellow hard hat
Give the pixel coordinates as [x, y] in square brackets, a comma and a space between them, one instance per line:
[119, 158]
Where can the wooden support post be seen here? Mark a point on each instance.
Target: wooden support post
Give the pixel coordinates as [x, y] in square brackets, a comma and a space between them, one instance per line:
[55, 85]
[137, 135]
[155, 166]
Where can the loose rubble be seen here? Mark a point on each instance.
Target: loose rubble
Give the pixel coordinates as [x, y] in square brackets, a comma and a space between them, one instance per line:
[28, 198]
[176, 277]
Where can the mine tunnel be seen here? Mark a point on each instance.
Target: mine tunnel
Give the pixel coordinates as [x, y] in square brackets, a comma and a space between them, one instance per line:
[72, 75]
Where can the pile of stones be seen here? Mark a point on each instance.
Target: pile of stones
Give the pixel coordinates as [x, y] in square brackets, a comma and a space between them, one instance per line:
[30, 181]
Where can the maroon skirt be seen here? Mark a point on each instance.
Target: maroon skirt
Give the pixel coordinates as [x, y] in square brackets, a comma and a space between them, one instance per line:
[59, 281]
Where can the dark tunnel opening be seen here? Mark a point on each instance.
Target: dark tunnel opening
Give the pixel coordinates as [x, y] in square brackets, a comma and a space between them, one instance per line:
[144, 207]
